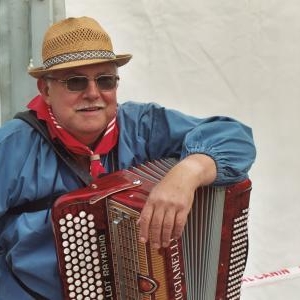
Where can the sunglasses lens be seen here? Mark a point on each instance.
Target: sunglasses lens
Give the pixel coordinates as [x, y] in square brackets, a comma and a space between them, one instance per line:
[107, 82]
[77, 83]
[80, 83]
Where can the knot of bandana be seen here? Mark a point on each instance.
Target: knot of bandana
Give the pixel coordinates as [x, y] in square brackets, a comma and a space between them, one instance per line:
[107, 142]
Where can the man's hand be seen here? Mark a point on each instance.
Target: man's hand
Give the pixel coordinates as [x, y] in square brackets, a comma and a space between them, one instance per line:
[165, 212]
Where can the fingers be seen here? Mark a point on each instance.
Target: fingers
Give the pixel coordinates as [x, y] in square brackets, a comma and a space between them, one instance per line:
[167, 228]
[156, 229]
[161, 224]
[179, 224]
[161, 228]
[144, 222]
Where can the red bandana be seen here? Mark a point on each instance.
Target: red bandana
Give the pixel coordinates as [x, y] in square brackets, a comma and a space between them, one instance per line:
[106, 144]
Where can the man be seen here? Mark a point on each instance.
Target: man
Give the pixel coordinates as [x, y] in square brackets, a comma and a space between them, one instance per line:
[78, 106]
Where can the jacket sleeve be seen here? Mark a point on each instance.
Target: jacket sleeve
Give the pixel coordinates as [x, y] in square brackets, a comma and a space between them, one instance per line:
[228, 142]
[164, 133]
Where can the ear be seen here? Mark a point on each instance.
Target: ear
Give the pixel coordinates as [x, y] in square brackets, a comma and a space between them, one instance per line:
[44, 89]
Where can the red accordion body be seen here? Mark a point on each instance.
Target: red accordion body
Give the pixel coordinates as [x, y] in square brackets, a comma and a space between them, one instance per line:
[100, 257]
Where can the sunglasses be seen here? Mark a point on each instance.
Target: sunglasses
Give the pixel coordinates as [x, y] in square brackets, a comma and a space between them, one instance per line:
[78, 83]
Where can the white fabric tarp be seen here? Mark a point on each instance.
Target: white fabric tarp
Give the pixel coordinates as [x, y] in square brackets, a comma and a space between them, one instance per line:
[226, 57]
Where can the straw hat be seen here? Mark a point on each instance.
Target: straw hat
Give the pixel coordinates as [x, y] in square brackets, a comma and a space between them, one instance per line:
[76, 42]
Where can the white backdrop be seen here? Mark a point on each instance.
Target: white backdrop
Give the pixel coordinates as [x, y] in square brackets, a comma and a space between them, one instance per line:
[226, 57]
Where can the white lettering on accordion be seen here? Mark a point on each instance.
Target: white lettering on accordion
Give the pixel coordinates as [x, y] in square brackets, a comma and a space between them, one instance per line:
[105, 266]
[176, 269]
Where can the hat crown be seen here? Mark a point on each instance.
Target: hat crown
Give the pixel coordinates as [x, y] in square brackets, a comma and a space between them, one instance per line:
[76, 42]
[75, 35]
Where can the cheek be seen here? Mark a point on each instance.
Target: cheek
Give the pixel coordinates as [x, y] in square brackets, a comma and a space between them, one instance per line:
[111, 102]
[63, 110]
[61, 101]
[110, 97]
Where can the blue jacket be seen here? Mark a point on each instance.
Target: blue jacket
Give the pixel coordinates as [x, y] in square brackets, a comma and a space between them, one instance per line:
[30, 170]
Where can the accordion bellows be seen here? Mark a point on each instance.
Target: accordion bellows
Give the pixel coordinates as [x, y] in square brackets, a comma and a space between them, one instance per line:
[100, 256]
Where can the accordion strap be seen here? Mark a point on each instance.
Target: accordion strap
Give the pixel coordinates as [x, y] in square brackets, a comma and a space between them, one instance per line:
[30, 118]
[33, 294]
[46, 202]
[36, 205]
[63, 154]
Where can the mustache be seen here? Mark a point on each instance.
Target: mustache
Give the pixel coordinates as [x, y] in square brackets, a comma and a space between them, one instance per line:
[85, 106]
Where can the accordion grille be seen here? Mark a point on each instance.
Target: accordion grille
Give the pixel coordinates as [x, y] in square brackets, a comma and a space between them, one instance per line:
[131, 257]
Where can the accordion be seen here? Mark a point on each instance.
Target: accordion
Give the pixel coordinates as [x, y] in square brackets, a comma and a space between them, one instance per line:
[100, 256]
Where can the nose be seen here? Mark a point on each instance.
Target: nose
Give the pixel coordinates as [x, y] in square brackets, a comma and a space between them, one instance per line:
[92, 91]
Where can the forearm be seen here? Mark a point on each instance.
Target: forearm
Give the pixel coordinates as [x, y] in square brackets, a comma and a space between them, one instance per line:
[196, 170]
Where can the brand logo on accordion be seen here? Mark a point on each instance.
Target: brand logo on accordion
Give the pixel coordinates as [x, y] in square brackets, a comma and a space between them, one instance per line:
[105, 266]
[176, 270]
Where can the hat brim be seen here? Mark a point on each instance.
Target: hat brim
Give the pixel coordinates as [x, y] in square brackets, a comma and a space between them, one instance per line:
[120, 60]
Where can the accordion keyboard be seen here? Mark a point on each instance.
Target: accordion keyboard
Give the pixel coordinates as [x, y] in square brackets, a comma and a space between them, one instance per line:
[81, 256]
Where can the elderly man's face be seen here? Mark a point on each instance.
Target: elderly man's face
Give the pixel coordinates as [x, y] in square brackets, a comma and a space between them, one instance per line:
[85, 114]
